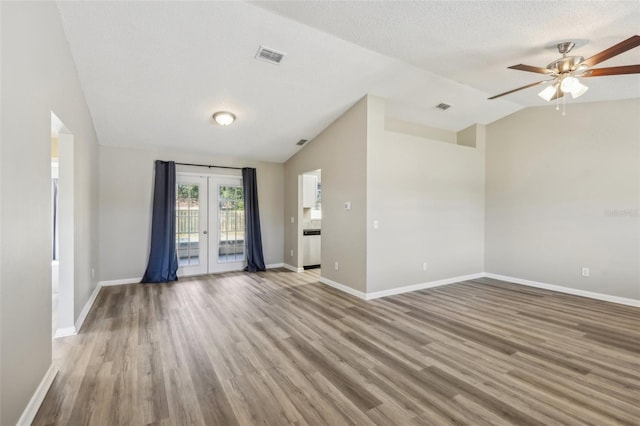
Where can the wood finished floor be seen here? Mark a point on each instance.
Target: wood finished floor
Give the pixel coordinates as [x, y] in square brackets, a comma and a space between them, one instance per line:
[278, 348]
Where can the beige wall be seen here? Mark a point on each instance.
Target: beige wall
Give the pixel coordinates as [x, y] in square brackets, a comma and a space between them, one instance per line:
[396, 125]
[38, 76]
[427, 195]
[54, 147]
[563, 193]
[340, 151]
[126, 193]
[469, 136]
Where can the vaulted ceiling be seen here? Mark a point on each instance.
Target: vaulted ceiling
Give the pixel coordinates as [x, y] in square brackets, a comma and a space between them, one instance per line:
[153, 73]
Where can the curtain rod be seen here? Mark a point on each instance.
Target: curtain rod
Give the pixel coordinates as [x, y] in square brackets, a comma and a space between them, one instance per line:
[209, 166]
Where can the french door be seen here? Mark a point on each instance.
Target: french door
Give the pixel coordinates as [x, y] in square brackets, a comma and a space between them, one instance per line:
[226, 220]
[209, 224]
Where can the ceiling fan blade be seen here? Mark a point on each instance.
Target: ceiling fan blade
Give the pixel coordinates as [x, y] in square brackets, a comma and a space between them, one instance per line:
[519, 88]
[539, 70]
[614, 50]
[598, 72]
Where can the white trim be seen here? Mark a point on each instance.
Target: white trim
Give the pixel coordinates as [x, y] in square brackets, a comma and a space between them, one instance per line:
[422, 286]
[446, 281]
[64, 332]
[35, 402]
[292, 268]
[343, 288]
[87, 307]
[275, 265]
[120, 282]
[567, 290]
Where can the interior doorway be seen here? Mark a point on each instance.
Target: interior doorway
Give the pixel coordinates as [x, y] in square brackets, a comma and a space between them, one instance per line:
[311, 210]
[209, 224]
[62, 228]
[55, 235]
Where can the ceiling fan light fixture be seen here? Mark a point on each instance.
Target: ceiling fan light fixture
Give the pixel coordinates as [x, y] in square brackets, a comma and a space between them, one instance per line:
[569, 84]
[548, 92]
[224, 118]
[578, 90]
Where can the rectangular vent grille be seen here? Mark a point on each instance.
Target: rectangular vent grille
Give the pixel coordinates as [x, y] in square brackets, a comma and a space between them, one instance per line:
[301, 142]
[269, 55]
[443, 107]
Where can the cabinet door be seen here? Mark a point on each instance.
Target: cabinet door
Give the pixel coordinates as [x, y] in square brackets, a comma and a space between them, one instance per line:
[306, 250]
[314, 250]
[309, 191]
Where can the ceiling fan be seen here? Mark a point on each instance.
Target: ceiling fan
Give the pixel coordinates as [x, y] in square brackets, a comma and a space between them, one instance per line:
[564, 72]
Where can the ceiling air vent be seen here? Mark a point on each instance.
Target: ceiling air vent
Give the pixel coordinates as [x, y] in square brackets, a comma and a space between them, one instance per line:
[442, 106]
[269, 55]
[301, 142]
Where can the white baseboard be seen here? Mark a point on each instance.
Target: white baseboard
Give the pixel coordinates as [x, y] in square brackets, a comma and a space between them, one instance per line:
[65, 331]
[33, 406]
[514, 280]
[422, 286]
[120, 282]
[343, 288]
[87, 307]
[399, 290]
[275, 265]
[292, 268]
[567, 290]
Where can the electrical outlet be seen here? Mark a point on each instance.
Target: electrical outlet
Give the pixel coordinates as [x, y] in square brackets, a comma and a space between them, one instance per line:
[376, 224]
[93, 272]
[585, 271]
[336, 266]
[293, 219]
[291, 253]
[425, 266]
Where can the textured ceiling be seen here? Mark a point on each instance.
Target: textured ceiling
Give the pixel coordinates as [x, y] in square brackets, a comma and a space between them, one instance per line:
[154, 72]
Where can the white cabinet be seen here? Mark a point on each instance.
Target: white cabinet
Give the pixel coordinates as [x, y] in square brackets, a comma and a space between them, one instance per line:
[309, 190]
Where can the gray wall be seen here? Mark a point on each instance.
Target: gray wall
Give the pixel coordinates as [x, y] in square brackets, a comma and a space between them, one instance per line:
[428, 197]
[126, 193]
[38, 76]
[340, 151]
[563, 193]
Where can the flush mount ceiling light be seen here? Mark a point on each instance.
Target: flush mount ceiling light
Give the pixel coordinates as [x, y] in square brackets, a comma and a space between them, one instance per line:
[224, 118]
[564, 72]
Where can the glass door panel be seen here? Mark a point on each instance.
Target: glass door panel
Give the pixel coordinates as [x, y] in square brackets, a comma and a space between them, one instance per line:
[191, 225]
[227, 249]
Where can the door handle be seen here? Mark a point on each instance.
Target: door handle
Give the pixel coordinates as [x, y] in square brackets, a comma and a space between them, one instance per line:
[204, 232]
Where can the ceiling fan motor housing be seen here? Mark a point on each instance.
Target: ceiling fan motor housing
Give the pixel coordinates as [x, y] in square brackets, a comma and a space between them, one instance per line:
[565, 64]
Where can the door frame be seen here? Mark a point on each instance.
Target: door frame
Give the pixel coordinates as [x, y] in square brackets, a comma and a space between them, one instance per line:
[208, 224]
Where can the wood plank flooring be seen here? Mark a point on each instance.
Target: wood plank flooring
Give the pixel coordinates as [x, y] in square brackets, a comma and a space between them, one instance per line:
[279, 348]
